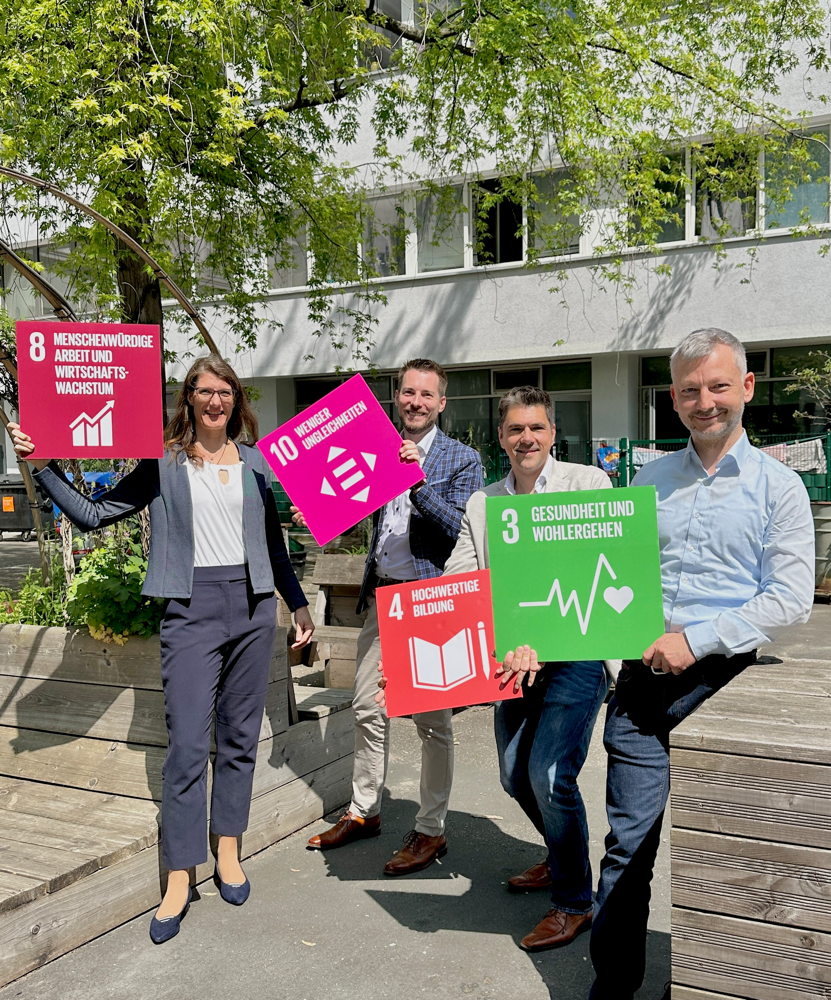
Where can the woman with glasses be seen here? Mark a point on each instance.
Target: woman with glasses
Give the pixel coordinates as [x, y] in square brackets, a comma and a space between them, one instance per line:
[216, 555]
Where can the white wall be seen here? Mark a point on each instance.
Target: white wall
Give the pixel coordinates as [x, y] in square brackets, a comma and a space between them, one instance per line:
[615, 396]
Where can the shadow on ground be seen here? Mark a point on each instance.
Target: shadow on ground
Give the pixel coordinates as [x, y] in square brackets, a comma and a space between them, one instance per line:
[480, 859]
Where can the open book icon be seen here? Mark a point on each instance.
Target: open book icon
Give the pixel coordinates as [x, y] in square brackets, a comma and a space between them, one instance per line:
[442, 667]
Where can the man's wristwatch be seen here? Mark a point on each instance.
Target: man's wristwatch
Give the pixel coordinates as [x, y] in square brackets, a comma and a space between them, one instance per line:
[417, 488]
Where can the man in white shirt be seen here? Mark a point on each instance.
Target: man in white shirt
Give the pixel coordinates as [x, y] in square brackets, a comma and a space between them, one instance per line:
[543, 738]
[413, 537]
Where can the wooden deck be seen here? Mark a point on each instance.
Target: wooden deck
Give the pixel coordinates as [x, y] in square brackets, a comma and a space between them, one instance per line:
[82, 740]
[751, 837]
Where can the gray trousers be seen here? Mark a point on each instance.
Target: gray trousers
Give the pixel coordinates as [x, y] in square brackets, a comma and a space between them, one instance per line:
[372, 742]
[216, 658]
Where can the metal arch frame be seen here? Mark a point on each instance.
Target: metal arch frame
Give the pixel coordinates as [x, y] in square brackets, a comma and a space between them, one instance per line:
[128, 241]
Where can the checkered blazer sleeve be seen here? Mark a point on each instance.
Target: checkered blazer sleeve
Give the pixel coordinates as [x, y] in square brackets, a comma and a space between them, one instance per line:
[457, 476]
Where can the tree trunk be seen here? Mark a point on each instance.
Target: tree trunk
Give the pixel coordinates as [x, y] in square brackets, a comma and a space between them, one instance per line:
[141, 294]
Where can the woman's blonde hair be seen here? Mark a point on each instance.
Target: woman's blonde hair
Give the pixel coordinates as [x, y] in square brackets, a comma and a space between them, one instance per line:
[180, 433]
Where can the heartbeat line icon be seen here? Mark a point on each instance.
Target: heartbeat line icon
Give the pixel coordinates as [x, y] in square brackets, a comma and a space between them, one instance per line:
[616, 598]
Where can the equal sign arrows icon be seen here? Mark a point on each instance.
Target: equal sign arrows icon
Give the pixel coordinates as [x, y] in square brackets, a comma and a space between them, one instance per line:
[348, 474]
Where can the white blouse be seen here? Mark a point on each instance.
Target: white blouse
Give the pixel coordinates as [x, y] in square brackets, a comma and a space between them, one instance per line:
[217, 514]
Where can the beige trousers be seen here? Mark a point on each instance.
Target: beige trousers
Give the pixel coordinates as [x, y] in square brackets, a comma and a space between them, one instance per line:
[372, 743]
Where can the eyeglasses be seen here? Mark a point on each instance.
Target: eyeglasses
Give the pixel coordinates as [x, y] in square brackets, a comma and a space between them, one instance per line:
[225, 395]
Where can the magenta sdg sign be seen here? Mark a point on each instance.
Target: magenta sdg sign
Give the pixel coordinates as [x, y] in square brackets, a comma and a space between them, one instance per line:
[338, 459]
[91, 390]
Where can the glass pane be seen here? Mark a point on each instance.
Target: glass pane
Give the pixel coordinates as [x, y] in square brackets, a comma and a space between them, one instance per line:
[806, 199]
[291, 270]
[503, 381]
[655, 371]
[380, 56]
[385, 237]
[556, 227]
[785, 360]
[668, 197]
[757, 362]
[469, 383]
[498, 227]
[21, 300]
[469, 420]
[440, 220]
[573, 421]
[380, 387]
[667, 422]
[310, 390]
[725, 204]
[567, 376]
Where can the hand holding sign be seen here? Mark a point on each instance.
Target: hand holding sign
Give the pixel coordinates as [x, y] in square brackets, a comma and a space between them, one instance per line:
[340, 460]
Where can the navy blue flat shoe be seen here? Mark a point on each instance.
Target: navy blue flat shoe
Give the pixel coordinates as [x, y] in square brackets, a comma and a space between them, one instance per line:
[232, 892]
[168, 927]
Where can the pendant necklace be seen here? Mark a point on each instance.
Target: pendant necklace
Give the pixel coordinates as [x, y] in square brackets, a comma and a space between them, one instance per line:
[222, 473]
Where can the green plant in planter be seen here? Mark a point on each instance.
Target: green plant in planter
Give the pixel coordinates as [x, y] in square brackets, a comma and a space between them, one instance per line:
[35, 603]
[106, 592]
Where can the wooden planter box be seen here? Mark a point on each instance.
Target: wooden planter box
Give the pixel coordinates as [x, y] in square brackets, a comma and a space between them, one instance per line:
[751, 839]
[339, 578]
[82, 740]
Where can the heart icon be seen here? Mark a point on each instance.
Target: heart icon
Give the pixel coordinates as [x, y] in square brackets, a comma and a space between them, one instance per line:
[619, 599]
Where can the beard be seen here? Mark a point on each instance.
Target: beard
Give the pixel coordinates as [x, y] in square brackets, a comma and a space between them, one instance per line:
[722, 432]
[424, 423]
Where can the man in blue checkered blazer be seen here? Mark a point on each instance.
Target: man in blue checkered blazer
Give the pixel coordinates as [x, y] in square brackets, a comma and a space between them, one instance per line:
[412, 539]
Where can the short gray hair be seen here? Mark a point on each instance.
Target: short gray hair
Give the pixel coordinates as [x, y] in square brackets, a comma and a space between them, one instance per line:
[526, 395]
[701, 344]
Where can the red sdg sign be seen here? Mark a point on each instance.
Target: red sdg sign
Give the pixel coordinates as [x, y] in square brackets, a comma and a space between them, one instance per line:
[90, 390]
[436, 644]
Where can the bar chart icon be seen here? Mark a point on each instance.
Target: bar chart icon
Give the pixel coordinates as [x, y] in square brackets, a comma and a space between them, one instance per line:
[94, 432]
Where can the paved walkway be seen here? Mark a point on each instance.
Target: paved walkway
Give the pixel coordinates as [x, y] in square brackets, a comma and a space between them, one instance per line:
[330, 926]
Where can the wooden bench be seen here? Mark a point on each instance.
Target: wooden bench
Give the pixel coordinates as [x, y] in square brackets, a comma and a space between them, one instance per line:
[82, 740]
[751, 839]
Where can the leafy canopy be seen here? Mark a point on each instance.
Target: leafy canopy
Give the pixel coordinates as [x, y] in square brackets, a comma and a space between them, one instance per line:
[212, 130]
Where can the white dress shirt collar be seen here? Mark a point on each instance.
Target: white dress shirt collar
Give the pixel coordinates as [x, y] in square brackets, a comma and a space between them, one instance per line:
[542, 478]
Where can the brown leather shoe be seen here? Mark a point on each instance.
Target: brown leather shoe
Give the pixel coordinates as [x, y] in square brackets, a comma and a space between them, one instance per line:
[348, 828]
[556, 929]
[419, 851]
[536, 877]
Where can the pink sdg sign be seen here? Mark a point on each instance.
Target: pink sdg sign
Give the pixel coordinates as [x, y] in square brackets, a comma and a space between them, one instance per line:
[338, 459]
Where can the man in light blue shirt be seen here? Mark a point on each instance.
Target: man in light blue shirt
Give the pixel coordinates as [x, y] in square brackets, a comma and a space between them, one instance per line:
[737, 567]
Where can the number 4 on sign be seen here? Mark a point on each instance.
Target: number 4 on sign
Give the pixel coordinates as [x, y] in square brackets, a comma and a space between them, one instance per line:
[395, 607]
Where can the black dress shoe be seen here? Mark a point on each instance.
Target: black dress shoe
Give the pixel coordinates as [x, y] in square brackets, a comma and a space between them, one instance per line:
[235, 893]
[168, 927]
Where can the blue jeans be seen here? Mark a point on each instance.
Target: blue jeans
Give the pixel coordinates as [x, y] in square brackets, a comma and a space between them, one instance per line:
[641, 715]
[543, 739]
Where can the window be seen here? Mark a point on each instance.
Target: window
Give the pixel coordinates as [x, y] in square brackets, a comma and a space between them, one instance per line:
[473, 382]
[664, 195]
[291, 269]
[796, 182]
[498, 225]
[725, 194]
[385, 237]
[553, 225]
[441, 229]
[380, 56]
[655, 371]
[569, 376]
[505, 380]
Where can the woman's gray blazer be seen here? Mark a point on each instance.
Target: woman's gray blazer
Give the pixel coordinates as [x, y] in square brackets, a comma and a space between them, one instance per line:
[162, 484]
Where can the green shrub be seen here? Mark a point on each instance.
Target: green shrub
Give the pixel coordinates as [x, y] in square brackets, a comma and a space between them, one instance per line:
[34, 603]
[106, 592]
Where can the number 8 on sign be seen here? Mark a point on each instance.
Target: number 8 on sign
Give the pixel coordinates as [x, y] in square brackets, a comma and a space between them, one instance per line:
[37, 350]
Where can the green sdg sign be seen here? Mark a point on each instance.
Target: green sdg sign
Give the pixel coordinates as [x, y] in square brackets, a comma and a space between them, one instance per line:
[576, 576]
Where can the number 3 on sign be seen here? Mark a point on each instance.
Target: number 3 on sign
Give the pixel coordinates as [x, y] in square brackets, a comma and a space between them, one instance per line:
[395, 608]
[511, 533]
